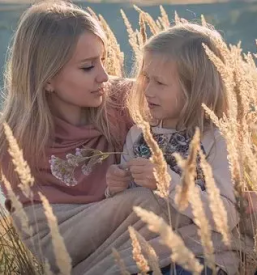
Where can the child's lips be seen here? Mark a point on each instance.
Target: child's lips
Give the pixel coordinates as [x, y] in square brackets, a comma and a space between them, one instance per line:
[152, 105]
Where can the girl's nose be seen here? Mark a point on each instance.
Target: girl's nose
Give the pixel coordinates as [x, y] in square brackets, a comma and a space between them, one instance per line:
[102, 76]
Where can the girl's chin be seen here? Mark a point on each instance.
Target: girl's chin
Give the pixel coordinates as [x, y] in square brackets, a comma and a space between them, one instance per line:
[95, 102]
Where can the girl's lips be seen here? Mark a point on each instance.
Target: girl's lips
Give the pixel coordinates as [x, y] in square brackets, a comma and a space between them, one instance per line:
[99, 91]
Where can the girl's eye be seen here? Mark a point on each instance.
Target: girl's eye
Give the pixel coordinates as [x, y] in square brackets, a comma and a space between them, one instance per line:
[159, 83]
[88, 68]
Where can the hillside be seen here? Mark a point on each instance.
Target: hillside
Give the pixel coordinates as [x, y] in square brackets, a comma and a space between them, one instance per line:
[236, 20]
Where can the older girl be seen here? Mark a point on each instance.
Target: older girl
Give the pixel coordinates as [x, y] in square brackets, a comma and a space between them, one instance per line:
[56, 101]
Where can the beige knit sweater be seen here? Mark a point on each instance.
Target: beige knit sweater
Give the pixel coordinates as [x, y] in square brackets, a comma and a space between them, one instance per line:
[214, 147]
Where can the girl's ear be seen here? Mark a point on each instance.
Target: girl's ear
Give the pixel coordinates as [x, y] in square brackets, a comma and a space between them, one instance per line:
[49, 87]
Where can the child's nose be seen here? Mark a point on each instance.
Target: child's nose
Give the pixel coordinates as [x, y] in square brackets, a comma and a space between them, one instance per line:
[149, 92]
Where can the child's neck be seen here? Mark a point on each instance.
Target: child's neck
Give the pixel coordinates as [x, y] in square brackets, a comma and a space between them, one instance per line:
[168, 123]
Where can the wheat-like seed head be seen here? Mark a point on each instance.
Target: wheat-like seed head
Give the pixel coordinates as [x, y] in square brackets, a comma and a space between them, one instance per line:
[180, 253]
[137, 252]
[204, 23]
[114, 54]
[189, 192]
[189, 173]
[17, 206]
[149, 20]
[164, 18]
[21, 166]
[162, 175]
[132, 36]
[149, 253]
[142, 28]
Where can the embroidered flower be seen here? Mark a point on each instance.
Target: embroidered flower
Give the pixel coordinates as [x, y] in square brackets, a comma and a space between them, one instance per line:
[169, 143]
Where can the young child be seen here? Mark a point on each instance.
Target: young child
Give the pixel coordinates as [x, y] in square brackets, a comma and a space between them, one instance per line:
[175, 78]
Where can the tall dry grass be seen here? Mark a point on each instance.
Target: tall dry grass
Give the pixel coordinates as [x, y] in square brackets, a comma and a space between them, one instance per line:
[239, 73]
[15, 258]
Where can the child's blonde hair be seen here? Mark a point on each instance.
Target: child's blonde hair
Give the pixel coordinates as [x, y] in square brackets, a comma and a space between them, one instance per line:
[44, 42]
[198, 76]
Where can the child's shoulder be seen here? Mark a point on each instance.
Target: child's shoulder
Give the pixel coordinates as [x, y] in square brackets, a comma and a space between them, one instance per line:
[134, 132]
[213, 134]
[213, 141]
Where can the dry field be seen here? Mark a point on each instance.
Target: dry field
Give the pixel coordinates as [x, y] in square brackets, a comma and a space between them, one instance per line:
[239, 129]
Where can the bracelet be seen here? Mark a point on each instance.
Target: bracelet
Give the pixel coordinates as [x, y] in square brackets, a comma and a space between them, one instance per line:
[107, 193]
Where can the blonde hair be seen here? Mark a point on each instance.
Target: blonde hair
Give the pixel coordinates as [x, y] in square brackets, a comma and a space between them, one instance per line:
[198, 76]
[44, 42]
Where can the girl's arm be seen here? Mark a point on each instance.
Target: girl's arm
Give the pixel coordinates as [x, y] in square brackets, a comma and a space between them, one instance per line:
[217, 158]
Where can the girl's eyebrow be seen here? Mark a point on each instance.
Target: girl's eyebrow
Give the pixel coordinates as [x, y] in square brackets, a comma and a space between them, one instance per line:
[93, 58]
[89, 59]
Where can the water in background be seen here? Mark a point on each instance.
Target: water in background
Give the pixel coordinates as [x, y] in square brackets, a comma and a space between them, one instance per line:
[237, 21]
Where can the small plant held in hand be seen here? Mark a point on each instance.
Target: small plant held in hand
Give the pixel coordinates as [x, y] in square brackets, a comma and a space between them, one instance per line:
[85, 158]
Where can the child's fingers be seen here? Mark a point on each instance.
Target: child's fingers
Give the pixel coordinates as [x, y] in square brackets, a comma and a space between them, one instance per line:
[138, 162]
[114, 170]
[121, 173]
[136, 170]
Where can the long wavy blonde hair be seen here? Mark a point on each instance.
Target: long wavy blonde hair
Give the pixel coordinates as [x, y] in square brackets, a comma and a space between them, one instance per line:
[44, 42]
[198, 76]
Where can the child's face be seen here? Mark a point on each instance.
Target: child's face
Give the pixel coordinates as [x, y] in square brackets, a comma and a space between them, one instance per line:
[162, 89]
[80, 81]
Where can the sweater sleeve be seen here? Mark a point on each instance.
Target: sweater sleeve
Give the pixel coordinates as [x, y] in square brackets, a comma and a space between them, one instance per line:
[127, 153]
[216, 156]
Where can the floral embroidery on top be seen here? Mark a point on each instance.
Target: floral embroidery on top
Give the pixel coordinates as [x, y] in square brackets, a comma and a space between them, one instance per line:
[170, 143]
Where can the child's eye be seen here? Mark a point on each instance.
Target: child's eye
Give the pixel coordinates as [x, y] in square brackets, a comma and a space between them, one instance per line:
[88, 68]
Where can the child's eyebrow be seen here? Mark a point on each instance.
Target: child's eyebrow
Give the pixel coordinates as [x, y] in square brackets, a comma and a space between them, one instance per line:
[143, 72]
[159, 78]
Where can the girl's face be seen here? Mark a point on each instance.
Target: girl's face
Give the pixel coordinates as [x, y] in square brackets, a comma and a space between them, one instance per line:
[80, 81]
[162, 89]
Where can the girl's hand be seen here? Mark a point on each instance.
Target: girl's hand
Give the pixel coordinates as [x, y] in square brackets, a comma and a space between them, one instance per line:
[143, 172]
[117, 179]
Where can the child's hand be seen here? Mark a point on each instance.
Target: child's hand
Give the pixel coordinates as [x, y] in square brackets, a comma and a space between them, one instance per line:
[117, 179]
[142, 171]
